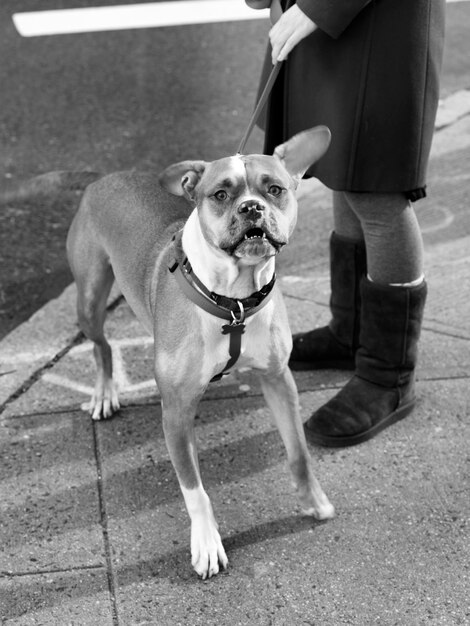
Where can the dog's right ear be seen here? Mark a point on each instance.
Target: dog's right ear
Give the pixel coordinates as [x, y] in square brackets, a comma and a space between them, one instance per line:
[302, 150]
[181, 178]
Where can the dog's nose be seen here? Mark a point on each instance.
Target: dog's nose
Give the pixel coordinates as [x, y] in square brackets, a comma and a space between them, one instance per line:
[252, 207]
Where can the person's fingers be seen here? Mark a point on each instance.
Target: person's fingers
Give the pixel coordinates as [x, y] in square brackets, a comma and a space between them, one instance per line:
[290, 44]
[286, 33]
[283, 44]
[279, 36]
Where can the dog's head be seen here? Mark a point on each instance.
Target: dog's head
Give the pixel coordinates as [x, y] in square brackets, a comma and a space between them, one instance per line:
[246, 204]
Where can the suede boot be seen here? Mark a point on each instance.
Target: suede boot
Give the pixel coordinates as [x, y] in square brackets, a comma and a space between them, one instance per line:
[335, 345]
[382, 390]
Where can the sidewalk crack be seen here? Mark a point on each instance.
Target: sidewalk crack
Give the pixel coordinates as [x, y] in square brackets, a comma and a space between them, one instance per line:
[104, 526]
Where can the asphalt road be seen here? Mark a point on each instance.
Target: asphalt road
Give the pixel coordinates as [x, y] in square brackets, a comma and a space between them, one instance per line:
[134, 98]
[107, 101]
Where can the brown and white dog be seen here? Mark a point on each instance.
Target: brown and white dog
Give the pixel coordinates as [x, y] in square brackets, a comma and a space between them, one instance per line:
[242, 211]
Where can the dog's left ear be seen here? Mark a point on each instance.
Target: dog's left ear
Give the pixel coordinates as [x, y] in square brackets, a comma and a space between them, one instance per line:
[302, 150]
[181, 178]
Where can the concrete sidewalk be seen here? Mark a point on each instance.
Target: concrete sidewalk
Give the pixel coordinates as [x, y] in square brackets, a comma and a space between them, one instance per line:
[93, 525]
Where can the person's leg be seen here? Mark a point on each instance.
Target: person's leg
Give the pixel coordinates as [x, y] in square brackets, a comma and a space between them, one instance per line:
[393, 238]
[393, 297]
[346, 223]
[334, 346]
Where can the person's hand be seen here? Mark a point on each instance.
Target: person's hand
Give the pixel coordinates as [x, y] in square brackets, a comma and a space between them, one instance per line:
[292, 27]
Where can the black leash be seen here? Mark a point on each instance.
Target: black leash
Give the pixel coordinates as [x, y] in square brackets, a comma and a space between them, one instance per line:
[261, 102]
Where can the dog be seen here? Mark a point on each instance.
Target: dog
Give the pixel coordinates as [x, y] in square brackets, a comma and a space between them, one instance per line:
[200, 276]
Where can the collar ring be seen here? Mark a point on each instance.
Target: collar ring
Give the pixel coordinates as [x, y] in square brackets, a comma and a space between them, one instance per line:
[239, 316]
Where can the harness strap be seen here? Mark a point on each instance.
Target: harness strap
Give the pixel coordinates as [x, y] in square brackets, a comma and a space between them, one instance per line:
[235, 312]
[234, 347]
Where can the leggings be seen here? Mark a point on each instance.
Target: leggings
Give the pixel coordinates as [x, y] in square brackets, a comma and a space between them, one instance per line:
[387, 223]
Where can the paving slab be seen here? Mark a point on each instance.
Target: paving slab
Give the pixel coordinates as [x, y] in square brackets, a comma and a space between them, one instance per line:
[50, 511]
[397, 552]
[55, 599]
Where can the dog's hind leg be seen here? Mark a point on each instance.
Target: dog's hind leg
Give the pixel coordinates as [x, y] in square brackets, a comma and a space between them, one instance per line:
[281, 396]
[94, 278]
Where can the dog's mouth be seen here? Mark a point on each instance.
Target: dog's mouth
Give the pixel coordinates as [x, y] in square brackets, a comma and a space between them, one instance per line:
[255, 242]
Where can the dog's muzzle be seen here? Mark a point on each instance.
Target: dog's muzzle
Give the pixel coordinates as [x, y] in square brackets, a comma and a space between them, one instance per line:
[255, 241]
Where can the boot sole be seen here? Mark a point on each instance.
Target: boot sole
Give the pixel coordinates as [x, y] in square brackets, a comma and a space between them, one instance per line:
[352, 440]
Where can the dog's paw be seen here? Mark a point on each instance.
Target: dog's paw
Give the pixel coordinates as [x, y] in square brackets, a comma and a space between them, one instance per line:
[207, 551]
[322, 509]
[104, 402]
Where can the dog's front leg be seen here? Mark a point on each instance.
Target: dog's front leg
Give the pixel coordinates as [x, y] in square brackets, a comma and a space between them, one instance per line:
[207, 550]
[281, 396]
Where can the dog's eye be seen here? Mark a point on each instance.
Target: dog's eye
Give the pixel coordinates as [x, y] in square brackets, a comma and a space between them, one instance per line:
[221, 195]
[275, 190]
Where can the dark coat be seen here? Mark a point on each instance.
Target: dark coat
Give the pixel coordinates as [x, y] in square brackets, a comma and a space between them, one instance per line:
[370, 72]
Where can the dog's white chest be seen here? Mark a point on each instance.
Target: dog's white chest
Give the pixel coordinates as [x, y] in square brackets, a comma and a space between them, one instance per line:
[256, 342]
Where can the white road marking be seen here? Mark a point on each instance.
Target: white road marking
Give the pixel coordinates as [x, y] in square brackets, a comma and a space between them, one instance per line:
[119, 370]
[446, 217]
[19, 358]
[452, 108]
[125, 387]
[131, 16]
[68, 383]
[87, 346]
